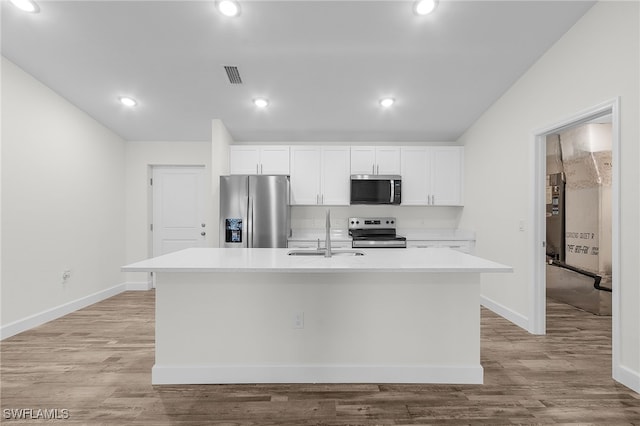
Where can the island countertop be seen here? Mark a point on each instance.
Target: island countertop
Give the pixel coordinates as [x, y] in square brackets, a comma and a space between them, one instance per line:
[436, 260]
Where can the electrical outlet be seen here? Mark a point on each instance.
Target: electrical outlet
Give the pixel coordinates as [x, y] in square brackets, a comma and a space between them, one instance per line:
[66, 274]
[521, 225]
[298, 320]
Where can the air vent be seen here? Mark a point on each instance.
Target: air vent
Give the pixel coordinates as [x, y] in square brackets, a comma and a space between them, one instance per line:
[233, 74]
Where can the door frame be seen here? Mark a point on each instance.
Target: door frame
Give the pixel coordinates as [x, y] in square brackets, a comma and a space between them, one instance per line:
[537, 297]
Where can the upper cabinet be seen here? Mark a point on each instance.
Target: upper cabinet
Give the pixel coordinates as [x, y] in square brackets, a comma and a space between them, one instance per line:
[258, 160]
[432, 176]
[375, 160]
[320, 175]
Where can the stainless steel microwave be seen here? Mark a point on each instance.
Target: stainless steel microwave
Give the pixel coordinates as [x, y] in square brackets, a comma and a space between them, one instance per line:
[376, 189]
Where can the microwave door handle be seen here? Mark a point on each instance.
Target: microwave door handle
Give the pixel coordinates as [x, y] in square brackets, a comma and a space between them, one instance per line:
[393, 190]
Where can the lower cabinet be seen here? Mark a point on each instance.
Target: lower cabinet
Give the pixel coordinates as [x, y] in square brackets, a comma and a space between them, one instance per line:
[313, 244]
[465, 246]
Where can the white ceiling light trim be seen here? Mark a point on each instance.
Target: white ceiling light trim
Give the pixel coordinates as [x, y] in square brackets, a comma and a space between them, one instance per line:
[261, 102]
[424, 7]
[127, 101]
[228, 8]
[26, 5]
[387, 102]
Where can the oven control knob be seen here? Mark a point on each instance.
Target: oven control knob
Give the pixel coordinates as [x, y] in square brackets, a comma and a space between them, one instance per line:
[352, 222]
[357, 222]
[392, 222]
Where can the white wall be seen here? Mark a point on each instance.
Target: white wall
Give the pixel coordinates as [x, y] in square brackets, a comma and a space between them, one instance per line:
[220, 141]
[140, 157]
[62, 200]
[596, 61]
[414, 217]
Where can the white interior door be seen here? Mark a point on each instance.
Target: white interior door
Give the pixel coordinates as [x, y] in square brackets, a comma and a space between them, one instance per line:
[178, 209]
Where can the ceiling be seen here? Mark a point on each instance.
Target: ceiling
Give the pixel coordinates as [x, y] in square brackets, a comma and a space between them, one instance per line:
[323, 65]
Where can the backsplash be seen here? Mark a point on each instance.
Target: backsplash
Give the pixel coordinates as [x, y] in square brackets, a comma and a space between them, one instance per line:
[313, 217]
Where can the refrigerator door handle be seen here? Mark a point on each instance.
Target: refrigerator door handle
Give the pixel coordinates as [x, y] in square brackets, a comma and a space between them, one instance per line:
[250, 224]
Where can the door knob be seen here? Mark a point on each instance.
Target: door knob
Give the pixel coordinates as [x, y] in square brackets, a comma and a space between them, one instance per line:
[203, 233]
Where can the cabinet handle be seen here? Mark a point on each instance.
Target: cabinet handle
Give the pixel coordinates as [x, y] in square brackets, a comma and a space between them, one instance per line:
[257, 169]
[322, 199]
[373, 169]
[261, 169]
[378, 169]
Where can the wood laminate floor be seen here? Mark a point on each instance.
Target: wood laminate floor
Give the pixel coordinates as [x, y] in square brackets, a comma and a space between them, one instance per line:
[96, 363]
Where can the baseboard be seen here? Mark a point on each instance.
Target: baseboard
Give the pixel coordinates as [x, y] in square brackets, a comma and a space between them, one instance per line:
[40, 318]
[138, 285]
[236, 374]
[627, 377]
[506, 313]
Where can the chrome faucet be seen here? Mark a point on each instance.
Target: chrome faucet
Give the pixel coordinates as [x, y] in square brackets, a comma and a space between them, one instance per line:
[327, 238]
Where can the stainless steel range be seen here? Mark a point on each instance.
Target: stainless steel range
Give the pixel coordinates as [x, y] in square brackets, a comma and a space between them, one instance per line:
[375, 232]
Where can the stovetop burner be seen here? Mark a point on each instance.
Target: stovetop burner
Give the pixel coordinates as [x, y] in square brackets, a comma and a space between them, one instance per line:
[375, 232]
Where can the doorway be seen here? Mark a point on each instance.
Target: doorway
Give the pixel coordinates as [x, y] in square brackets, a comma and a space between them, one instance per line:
[538, 287]
[578, 213]
[178, 217]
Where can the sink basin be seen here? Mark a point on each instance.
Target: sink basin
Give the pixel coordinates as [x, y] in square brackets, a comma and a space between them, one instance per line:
[321, 253]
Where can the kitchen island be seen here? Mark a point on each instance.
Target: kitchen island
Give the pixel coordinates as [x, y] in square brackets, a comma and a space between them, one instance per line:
[263, 316]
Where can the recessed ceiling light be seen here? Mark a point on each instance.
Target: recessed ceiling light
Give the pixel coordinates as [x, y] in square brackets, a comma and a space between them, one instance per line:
[387, 102]
[127, 101]
[26, 5]
[424, 7]
[229, 7]
[261, 102]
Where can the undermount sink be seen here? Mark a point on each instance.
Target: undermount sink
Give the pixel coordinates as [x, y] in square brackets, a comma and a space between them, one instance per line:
[321, 253]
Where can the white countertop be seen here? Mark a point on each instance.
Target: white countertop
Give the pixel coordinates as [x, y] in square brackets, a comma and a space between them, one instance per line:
[277, 260]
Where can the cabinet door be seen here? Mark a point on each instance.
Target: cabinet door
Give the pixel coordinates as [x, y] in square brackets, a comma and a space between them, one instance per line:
[336, 170]
[302, 244]
[244, 160]
[305, 175]
[447, 175]
[274, 160]
[416, 175]
[387, 160]
[363, 159]
[421, 244]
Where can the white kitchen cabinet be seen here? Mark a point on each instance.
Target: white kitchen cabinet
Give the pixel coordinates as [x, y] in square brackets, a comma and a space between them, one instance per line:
[432, 175]
[336, 176]
[465, 246]
[376, 160]
[313, 244]
[320, 175]
[305, 175]
[263, 160]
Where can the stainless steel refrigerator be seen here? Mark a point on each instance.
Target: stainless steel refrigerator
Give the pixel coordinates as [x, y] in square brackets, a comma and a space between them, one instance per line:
[255, 211]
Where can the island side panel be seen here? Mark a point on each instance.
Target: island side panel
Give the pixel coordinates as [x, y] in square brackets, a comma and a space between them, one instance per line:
[357, 327]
